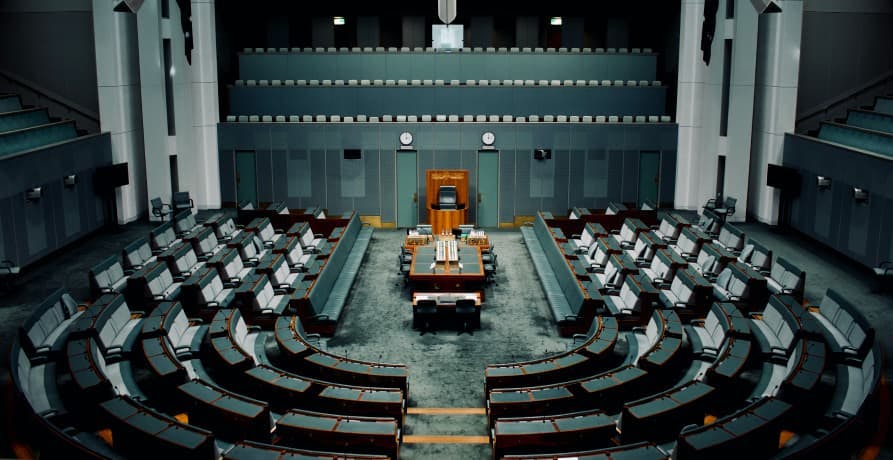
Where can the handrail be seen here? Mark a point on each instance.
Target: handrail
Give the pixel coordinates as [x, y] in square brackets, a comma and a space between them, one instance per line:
[41, 92]
[847, 100]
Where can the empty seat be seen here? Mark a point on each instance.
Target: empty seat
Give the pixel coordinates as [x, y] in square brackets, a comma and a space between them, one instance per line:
[362, 118]
[561, 118]
[416, 82]
[230, 118]
[786, 278]
[387, 118]
[402, 82]
[543, 82]
[483, 82]
[507, 83]
[428, 82]
[549, 118]
[335, 118]
[587, 118]
[440, 118]
[266, 118]
[665, 119]
[480, 118]
[390, 82]
[467, 118]
[639, 119]
[253, 119]
[46, 330]
[653, 119]
[453, 118]
[377, 82]
[412, 118]
[534, 118]
[426, 118]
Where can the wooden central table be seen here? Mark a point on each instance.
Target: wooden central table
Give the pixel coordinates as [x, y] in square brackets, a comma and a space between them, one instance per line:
[447, 277]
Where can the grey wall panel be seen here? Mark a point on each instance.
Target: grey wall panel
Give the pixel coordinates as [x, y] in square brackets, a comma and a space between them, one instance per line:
[509, 188]
[629, 176]
[667, 177]
[447, 66]
[517, 101]
[832, 216]
[323, 32]
[64, 67]
[34, 229]
[840, 52]
[368, 31]
[610, 176]
[414, 31]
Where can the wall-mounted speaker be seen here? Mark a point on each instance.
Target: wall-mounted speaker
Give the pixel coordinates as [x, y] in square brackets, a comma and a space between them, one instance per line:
[353, 154]
[70, 180]
[860, 195]
[542, 154]
[33, 194]
[823, 182]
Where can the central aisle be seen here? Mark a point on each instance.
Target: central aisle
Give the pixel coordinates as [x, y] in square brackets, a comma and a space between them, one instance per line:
[446, 368]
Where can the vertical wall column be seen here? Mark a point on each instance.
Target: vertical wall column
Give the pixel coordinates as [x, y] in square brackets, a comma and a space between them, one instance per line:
[778, 71]
[743, 32]
[691, 157]
[154, 113]
[118, 84]
[701, 105]
[205, 108]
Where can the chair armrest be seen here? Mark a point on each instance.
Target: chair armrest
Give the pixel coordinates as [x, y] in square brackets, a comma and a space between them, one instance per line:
[212, 303]
[615, 232]
[680, 304]
[254, 328]
[575, 236]
[638, 329]
[318, 235]
[137, 313]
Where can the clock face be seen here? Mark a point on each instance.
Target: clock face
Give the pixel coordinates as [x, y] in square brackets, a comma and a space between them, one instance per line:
[406, 138]
[488, 138]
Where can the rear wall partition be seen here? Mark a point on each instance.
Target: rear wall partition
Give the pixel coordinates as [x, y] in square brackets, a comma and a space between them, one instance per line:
[592, 163]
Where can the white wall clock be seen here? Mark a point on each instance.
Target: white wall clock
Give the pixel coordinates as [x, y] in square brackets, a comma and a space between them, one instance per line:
[488, 138]
[406, 138]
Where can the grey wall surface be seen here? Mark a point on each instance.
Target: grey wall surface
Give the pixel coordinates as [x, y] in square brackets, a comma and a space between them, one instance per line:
[323, 32]
[414, 31]
[33, 229]
[447, 66]
[845, 45]
[863, 232]
[591, 165]
[50, 46]
[459, 100]
[368, 31]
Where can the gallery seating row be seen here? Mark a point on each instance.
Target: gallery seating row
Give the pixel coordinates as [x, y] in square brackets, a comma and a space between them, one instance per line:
[418, 49]
[447, 82]
[21, 119]
[452, 118]
[33, 137]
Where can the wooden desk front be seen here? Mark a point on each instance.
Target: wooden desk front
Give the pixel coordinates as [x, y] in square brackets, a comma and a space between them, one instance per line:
[447, 278]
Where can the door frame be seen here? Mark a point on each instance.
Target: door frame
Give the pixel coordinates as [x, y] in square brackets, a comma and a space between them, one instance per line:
[660, 159]
[477, 177]
[236, 178]
[397, 185]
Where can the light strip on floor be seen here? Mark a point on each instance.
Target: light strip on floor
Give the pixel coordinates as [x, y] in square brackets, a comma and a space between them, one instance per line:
[442, 439]
[446, 411]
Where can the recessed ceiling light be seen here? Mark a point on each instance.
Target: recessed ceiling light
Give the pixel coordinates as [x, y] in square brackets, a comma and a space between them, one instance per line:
[555, 21]
[338, 20]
